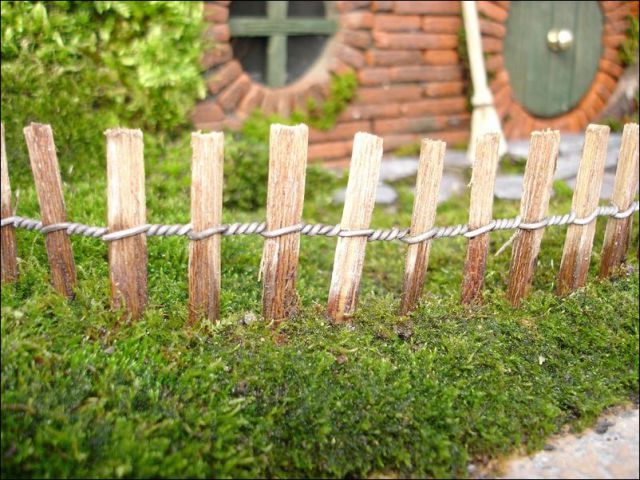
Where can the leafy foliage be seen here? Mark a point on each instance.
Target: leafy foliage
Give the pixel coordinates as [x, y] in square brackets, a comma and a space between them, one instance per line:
[87, 66]
[629, 47]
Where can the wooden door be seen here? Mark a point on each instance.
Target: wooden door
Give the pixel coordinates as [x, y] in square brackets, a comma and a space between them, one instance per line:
[551, 51]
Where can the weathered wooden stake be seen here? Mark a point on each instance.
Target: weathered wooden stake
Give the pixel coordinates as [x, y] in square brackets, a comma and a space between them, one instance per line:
[9, 262]
[538, 183]
[285, 198]
[46, 175]
[127, 209]
[578, 244]
[483, 180]
[618, 232]
[206, 212]
[358, 207]
[424, 213]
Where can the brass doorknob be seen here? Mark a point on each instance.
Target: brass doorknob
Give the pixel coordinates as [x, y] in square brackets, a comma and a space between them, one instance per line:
[559, 39]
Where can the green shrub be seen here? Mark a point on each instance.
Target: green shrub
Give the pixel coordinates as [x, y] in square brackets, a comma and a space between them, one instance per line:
[87, 66]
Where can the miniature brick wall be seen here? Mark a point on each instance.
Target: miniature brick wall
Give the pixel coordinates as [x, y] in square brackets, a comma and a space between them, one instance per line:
[411, 79]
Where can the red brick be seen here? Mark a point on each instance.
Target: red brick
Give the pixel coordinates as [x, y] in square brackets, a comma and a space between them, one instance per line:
[444, 89]
[223, 76]
[351, 56]
[270, 102]
[210, 126]
[438, 106]
[613, 41]
[396, 23]
[393, 57]
[491, 45]
[330, 149]
[611, 68]
[493, 29]
[337, 66]
[501, 78]
[232, 123]
[605, 80]
[396, 93]
[215, 13]
[374, 76]
[356, 20]
[617, 27]
[492, 11]
[502, 98]
[206, 112]
[347, 6]
[414, 41]
[218, 33]
[393, 141]
[341, 131]
[426, 73]
[284, 105]
[611, 54]
[356, 112]
[381, 6]
[453, 138]
[406, 125]
[432, 24]
[251, 101]
[218, 54]
[427, 7]
[441, 57]
[230, 97]
[609, 5]
[617, 13]
[357, 38]
[494, 62]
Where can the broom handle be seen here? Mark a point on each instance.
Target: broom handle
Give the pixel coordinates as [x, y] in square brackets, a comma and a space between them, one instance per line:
[481, 93]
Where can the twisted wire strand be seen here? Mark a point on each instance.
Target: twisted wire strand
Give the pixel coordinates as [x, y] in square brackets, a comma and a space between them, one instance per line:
[260, 228]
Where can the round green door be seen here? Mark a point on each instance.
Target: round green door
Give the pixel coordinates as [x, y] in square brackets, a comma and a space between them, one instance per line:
[551, 51]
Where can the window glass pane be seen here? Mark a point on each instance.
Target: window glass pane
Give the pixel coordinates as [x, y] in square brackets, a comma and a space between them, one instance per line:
[302, 52]
[305, 9]
[249, 9]
[251, 53]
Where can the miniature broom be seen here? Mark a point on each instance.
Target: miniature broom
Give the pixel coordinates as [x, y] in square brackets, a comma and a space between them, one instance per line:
[484, 118]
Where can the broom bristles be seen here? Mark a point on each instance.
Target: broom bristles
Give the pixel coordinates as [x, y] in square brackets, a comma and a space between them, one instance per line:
[484, 119]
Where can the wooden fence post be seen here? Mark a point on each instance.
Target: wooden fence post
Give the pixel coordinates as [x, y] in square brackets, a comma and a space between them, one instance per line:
[206, 212]
[360, 199]
[9, 262]
[618, 232]
[425, 204]
[285, 199]
[127, 209]
[538, 183]
[483, 180]
[46, 175]
[578, 244]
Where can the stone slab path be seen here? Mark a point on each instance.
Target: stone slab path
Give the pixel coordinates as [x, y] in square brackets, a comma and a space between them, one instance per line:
[609, 450]
[508, 186]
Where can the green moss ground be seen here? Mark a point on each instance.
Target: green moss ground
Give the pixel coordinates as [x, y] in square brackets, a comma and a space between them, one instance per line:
[420, 396]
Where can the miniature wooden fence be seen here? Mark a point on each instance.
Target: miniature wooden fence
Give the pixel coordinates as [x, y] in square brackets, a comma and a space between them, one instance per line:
[127, 228]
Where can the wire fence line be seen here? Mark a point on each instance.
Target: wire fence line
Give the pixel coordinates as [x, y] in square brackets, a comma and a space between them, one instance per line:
[259, 228]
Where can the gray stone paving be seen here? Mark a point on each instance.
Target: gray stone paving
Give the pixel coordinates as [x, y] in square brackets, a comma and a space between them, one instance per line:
[508, 186]
[609, 450]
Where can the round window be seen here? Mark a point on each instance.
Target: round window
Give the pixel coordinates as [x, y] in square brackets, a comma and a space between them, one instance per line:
[277, 42]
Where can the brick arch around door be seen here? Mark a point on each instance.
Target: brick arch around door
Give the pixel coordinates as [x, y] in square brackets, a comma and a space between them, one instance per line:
[517, 120]
[411, 81]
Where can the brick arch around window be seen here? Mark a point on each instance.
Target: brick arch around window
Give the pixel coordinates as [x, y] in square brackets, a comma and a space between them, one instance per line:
[411, 82]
